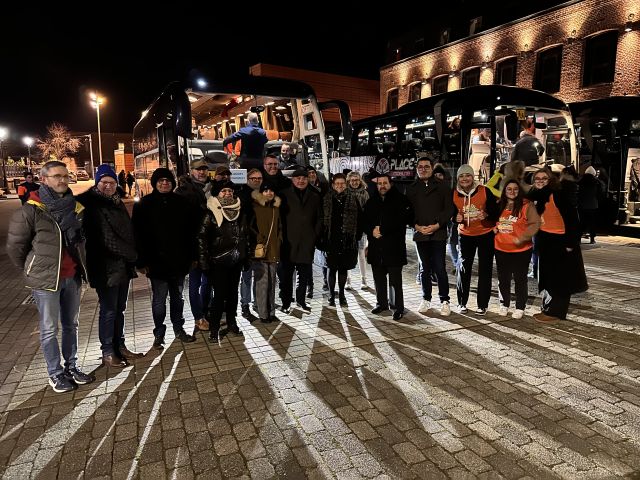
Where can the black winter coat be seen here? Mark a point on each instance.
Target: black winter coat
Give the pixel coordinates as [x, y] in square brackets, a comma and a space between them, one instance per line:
[165, 233]
[431, 203]
[589, 192]
[392, 215]
[302, 224]
[111, 252]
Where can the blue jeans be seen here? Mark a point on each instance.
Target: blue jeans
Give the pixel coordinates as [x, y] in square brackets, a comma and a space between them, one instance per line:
[199, 293]
[245, 287]
[65, 305]
[432, 255]
[113, 303]
[159, 290]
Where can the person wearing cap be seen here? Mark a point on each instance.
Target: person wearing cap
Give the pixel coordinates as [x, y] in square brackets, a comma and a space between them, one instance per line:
[590, 190]
[273, 174]
[317, 181]
[222, 252]
[165, 240]
[432, 208]
[302, 214]
[111, 257]
[193, 187]
[253, 139]
[266, 229]
[476, 215]
[222, 173]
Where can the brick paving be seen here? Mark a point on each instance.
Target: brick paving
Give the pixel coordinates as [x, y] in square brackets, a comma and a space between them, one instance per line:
[340, 393]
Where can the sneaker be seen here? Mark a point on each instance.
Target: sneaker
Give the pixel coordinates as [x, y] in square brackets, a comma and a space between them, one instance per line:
[343, 301]
[418, 280]
[79, 377]
[398, 314]
[213, 337]
[245, 311]
[332, 301]
[379, 309]
[503, 311]
[285, 309]
[517, 314]
[61, 383]
[480, 311]
[424, 306]
[348, 284]
[445, 309]
[202, 325]
[462, 309]
[185, 337]
[158, 342]
[363, 284]
[304, 307]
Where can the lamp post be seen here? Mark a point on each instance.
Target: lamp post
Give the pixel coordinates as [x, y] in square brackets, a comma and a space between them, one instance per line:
[96, 101]
[28, 141]
[4, 133]
[88, 135]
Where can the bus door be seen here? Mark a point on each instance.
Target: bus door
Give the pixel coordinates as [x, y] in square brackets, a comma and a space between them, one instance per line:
[336, 116]
[312, 135]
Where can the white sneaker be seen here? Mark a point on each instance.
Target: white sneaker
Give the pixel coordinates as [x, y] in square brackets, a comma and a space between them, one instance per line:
[424, 306]
[462, 309]
[503, 311]
[445, 309]
[517, 314]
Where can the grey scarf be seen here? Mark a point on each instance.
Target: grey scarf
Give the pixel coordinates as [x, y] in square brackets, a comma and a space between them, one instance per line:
[63, 210]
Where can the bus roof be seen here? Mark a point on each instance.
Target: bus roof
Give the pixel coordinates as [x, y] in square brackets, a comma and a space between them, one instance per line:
[610, 106]
[250, 85]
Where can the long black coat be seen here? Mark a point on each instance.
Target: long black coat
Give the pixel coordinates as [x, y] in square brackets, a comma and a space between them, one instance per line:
[111, 252]
[392, 215]
[302, 223]
[165, 233]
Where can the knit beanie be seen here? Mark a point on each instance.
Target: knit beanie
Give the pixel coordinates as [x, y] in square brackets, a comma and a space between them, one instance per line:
[162, 172]
[105, 170]
[465, 169]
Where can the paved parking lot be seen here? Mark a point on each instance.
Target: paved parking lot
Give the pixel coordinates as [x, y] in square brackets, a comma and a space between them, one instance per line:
[340, 393]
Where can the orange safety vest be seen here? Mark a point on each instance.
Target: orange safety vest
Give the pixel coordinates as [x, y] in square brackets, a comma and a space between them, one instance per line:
[470, 207]
[510, 228]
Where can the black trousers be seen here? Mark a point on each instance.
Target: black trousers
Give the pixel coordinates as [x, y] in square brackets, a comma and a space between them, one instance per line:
[286, 281]
[589, 220]
[394, 295]
[432, 255]
[225, 281]
[468, 246]
[513, 265]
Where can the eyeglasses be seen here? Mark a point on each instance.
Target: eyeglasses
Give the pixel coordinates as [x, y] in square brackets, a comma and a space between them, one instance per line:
[424, 167]
[164, 180]
[255, 179]
[107, 184]
[59, 177]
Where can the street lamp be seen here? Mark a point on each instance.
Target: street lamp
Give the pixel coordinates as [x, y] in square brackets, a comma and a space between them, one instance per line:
[88, 135]
[28, 141]
[96, 101]
[4, 133]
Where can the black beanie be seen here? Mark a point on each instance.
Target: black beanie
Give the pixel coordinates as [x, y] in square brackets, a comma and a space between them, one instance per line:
[162, 172]
[267, 186]
[217, 186]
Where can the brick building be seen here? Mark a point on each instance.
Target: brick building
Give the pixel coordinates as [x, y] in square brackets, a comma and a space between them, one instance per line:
[579, 50]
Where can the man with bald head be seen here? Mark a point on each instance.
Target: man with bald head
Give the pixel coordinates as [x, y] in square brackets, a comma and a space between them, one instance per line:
[253, 139]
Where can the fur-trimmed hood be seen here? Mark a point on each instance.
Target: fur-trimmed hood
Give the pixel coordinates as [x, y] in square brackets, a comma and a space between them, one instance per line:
[260, 199]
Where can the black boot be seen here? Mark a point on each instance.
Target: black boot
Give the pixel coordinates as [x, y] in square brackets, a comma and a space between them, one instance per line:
[332, 299]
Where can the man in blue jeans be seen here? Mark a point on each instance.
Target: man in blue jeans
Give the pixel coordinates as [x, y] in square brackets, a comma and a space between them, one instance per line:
[45, 240]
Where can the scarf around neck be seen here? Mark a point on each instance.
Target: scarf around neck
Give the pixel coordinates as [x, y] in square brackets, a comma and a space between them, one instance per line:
[230, 212]
[63, 210]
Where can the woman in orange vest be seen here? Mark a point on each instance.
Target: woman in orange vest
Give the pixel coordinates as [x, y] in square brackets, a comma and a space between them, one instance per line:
[517, 224]
[560, 266]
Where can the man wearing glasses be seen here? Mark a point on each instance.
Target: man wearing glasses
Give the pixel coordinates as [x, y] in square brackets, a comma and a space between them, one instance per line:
[111, 257]
[432, 203]
[45, 240]
[273, 175]
[193, 188]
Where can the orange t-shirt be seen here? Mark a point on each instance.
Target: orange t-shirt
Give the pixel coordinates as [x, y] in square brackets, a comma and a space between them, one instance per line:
[511, 228]
[470, 208]
[551, 219]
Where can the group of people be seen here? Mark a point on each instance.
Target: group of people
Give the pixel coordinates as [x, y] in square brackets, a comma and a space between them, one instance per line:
[242, 240]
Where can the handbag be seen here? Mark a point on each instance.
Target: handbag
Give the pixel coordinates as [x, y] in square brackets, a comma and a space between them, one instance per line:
[261, 248]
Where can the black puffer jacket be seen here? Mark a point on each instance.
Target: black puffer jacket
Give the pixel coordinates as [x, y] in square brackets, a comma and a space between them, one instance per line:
[432, 203]
[111, 252]
[34, 244]
[220, 241]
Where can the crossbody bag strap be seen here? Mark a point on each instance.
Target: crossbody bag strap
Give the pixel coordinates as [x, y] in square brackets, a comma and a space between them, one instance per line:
[273, 217]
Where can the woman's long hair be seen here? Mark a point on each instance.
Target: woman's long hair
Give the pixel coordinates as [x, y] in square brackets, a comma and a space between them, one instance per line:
[517, 202]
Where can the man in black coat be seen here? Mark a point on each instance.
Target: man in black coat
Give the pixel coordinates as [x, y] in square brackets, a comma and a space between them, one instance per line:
[302, 224]
[386, 215]
[165, 239]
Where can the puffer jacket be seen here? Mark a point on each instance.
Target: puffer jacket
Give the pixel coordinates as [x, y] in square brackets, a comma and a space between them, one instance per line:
[34, 244]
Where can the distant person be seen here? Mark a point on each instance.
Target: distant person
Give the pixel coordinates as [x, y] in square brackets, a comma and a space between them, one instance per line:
[130, 181]
[45, 240]
[589, 192]
[253, 140]
[286, 159]
[25, 188]
[122, 181]
[528, 148]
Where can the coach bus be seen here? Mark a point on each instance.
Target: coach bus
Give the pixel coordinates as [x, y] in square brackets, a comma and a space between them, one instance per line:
[191, 119]
[476, 125]
[608, 131]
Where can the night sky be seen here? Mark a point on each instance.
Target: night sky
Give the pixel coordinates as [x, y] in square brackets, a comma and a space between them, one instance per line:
[50, 63]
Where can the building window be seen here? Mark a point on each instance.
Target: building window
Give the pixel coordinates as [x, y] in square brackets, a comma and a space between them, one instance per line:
[471, 77]
[506, 71]
[392, 100]
[440, 85]
[548, 68]
[600, 58]
[415, 91]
